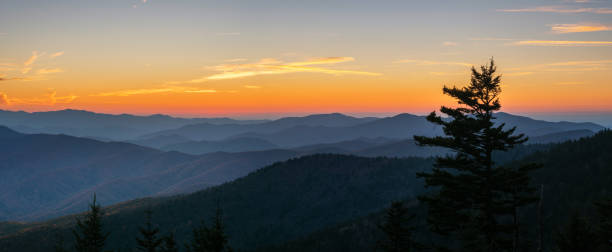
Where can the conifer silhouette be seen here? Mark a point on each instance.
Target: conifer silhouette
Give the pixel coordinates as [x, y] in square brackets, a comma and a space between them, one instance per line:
[88, 235]
[472, 193]
[149, 241]
[210, 239]
[397, 229]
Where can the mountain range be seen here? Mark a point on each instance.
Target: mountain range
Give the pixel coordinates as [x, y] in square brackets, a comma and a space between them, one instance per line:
[47, 175]
[328, 201]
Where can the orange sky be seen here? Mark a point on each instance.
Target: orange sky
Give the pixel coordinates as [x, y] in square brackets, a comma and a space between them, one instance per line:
[190, 58]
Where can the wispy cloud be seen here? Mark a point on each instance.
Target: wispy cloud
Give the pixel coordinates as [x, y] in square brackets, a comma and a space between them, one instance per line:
[573, 28]
[563, 43]
[169, 89]
[49, 70]
[236, 60]
[432, 63]
[581, 63]
[57, 54]
[271, 66]
[490, 39]
[579, 66]
[447, 73]
[49, 99]
[518, 73]
[560, 9]
[251, 87]
[199, 91]
[32, 58]
[449, 43]
[32, 69]
[4, 99]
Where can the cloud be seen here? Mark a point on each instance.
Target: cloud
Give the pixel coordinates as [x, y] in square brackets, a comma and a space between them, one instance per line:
[236, 60]
[4, 99]
[251, 87]
[201, 91]
[579, 66]
[57, 54]
[323, 61]
[49, 70]
[270, 66]
[432, 63]
[449, 43]
[490, 39]
[518, 73]
[573, 28]
[32, 58]
[581, 63]
[14, 78]
[560, 9]
[49, 99]
[447, 73]
[170, 89]
[563, 43]
[31, 69]
[136, 92]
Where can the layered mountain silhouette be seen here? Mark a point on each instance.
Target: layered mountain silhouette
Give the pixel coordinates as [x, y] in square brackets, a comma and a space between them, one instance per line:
[45, 175]
[326, 201]
[100, 126]
[276, 203]
[331, 128]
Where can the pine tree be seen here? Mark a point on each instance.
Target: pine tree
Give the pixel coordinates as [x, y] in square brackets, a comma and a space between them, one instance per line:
[577, 236]
[169, 244]
[59, 244]
[210, 239]
[473, 194]
[89, 236]
[149, 241]
[604, 229]
[397, 229]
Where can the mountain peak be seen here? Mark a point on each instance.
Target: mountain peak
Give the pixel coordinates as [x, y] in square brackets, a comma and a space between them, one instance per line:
[6, 132]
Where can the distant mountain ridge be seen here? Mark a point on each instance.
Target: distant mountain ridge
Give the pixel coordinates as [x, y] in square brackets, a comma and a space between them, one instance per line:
[97, 125]
[45, 175]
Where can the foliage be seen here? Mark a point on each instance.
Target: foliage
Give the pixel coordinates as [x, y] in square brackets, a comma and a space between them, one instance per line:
[577, 236]
[149, 241]
[604, 229]
[89, 236]
[169, 244]
[397, 229]
[210, 239]
[473, 195]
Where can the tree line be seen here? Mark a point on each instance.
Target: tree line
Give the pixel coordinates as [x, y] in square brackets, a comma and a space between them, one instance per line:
[89, 235]
[474, 203]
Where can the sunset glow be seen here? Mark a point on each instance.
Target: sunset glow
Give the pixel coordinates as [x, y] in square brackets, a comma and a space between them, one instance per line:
[271, 58]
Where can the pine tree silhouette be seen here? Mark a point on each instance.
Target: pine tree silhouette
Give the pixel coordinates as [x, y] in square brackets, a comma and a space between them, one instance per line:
[604, 229]
[88, 235]
[210, 239]
[149, 241]
[169, 244]
[59, 244]
[397, 229]
[577, 236]
[473, 194]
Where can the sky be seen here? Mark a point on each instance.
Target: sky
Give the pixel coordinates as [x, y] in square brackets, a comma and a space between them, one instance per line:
[257, 59]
